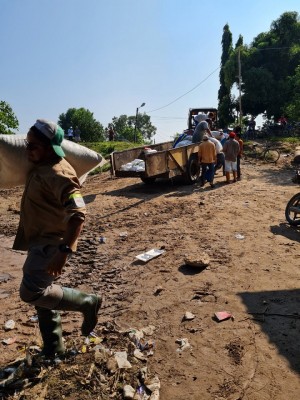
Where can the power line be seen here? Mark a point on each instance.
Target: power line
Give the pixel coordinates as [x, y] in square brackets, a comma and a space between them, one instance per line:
[164, 117]
[195, 87]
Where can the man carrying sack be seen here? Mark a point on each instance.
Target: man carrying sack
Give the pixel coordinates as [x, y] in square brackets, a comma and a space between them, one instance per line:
[52, 216]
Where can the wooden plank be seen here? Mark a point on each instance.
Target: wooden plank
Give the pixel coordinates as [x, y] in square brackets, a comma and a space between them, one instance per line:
[120, 158]
[156, 164]
[180, 156]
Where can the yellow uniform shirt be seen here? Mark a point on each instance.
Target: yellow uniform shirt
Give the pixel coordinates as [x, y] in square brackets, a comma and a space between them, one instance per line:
[51, 196]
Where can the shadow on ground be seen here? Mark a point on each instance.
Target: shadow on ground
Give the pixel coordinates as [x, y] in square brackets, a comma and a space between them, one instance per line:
[277, 313]
[286, 230]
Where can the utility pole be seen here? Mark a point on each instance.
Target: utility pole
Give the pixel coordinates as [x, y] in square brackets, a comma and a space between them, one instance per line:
[240, 84]
[136, 120]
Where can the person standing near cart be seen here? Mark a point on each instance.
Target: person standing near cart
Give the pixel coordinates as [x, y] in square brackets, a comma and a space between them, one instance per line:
[52, 216]
[207, 156]
[231, 150]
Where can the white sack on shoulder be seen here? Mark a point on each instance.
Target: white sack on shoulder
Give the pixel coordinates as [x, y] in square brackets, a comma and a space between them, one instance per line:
[217, 143]
[14, 165]
[217, 134]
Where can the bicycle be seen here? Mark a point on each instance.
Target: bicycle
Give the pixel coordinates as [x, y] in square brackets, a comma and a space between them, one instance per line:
[266, 152]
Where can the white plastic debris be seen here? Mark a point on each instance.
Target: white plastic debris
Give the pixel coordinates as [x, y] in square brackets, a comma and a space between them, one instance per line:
[121, 358]
[128, 392]
[239, 236]
[183, 343]
[9, 325]
[188, 316]
[139, 355]
[149, 255]
[153, 384]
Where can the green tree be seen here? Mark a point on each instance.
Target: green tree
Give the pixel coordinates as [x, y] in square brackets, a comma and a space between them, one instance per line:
[225, 103]
[293, 108]
[268, 67]
[90, 129]
[127, 127]
[8, 120]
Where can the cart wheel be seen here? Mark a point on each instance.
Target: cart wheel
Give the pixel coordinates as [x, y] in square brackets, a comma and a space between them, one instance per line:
[148, 181]
[271, 155]
[193, 169]
[292, 210]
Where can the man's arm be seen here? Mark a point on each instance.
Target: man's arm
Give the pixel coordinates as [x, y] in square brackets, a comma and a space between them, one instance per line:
[70, 237]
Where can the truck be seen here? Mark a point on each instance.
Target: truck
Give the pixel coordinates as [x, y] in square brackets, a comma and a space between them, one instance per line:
[211, 112]
[161, 160]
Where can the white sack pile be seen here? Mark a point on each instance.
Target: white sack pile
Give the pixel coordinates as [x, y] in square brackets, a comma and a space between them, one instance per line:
[14, 165]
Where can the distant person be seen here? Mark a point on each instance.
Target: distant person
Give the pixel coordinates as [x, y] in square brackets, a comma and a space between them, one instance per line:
[207, 156]
[77, 137]
[70, 133]
[111, 134]
[211, 120]
[251, 128]
[201, 129]
[238, 138]
[231, 150]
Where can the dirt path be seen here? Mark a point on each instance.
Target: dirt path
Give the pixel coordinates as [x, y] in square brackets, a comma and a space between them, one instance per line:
[253, 274]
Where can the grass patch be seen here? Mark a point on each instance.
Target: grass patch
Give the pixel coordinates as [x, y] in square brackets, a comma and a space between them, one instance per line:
[105, 149]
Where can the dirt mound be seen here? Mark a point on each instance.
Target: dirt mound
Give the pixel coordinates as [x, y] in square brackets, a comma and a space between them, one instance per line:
[252, 274]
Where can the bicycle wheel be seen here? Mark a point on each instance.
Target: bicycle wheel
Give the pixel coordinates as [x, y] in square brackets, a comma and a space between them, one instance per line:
[292, 210]
[271, 155]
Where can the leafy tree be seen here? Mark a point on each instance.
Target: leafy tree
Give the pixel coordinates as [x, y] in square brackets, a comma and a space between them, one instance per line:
[90, 129]
[225, 107]
[127, 127]
[268, 68]
[293, 108]
[8, 120]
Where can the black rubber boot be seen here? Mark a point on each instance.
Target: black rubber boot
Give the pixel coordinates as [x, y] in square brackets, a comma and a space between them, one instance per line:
[51, 331]
[88, 304]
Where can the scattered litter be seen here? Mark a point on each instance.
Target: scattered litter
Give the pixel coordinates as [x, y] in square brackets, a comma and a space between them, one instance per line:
[223, 315]
[153, 384]
[239, 236]
[121, 358]
[5, 277]
[148, 150]
[148, 330]
[188, 316]
[123, 234]
[34, 318]
[128, 392]
[141, 393]
[200, 260]
[139, 355]
[183, 343]
[149, 255]
[102, 239]
[9, 325]
[9, 340]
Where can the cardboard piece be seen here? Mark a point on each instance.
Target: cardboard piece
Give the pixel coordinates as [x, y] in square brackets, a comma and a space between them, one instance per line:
[149, 255]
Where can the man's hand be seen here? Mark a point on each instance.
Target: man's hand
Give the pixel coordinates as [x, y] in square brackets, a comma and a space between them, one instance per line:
[57, 263]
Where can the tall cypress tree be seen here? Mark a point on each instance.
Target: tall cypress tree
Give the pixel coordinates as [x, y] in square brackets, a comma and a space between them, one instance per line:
[224, 97]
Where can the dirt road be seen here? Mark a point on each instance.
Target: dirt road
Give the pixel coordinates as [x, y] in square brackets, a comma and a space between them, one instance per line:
[253, 274]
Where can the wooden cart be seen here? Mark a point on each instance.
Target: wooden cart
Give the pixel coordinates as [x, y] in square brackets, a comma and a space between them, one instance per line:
[166, 162]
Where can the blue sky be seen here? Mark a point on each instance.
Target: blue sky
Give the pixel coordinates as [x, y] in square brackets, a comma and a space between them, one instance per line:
[111, 56]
